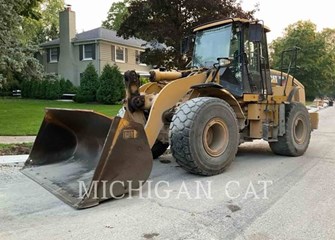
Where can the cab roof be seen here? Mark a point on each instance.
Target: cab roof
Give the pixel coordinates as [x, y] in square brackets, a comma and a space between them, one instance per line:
[226, 21]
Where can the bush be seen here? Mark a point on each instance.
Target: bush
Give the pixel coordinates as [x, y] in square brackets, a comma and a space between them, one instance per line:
[26, 89]
[41, 89]
[52, 90]
[8, 85]
[48, 88]
[88, 85]
[34, 88]
[66, 86]
[144, 80]
[111, 88]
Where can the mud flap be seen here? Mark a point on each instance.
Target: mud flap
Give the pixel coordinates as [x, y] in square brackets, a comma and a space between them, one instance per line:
[84, 157]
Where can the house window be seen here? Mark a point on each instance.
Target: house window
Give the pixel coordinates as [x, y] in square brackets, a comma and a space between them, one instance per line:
[87, 52]
[53, 55]
[138, 57]
[119, 54]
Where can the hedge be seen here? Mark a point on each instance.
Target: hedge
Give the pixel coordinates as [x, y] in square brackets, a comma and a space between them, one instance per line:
[49, 88]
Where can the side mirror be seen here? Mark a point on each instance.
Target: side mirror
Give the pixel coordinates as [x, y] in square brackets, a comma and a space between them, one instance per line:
[224, 62]
[256, 32]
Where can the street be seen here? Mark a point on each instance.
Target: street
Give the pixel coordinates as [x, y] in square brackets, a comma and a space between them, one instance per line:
[260, 196]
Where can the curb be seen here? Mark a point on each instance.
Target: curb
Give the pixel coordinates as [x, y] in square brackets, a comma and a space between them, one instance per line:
[13, 159]
[16, 139]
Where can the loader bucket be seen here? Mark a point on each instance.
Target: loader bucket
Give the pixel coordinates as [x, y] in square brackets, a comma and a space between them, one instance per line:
[84, 157]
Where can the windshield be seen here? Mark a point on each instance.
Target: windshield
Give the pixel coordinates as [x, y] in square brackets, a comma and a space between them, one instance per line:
[211, 44]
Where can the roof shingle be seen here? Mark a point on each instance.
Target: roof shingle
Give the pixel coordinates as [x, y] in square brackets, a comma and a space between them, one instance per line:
[100, 34]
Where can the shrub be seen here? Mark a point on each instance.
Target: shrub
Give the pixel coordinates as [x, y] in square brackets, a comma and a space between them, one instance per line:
[26, 89]
[111, 88]
[48, 88]
[7, 86]
[52, 89]
[88, 85]
[41, 89]
[66, 86]
[144, 80]
[34, 88]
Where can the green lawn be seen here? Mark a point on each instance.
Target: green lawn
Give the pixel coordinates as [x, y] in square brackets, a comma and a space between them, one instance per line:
[20, 117]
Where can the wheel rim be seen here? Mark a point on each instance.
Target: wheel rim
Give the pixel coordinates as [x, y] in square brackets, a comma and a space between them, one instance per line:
[215, 137]
[299, 130]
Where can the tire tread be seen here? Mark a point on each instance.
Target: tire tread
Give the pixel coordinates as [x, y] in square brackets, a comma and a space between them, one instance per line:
[180, 127]
[284, 145]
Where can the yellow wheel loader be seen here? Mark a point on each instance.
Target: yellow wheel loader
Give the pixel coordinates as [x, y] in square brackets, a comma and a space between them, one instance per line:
[226, 96]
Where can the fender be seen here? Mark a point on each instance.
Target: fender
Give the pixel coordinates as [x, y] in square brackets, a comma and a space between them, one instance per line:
[294, 88]
[216, 90]
[167, 98]
[151, 87]
[292, 94]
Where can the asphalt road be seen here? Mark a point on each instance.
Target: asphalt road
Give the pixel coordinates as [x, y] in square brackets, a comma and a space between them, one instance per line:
[298, 202]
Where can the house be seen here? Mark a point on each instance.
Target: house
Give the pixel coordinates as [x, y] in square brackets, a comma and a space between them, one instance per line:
[69, 55]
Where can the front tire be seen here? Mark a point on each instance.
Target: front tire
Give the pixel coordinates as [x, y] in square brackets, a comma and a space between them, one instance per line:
[204, 135]
[298, 132]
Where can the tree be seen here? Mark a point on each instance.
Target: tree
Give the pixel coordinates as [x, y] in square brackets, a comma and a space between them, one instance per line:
[11, 13]
[315, 61]
[111, 88]
[168, 21]
[328, 35]
[88, 85]
[24, 24]
[45, 28]
[116, 15]
[25, 8]
[17, 60]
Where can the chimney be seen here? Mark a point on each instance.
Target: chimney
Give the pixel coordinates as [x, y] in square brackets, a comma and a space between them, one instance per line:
[67, 31]
[67, 24]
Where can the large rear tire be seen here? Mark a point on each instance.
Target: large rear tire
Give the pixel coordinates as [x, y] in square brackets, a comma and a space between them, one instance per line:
[204, 135]
[298, 132]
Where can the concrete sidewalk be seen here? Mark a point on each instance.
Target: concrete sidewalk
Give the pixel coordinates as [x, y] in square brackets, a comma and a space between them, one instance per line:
[16, 139]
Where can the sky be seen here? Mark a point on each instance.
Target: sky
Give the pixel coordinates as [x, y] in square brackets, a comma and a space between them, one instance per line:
[277, 14]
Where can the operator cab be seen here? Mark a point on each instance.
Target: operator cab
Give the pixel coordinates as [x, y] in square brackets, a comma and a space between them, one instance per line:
[243, 43]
